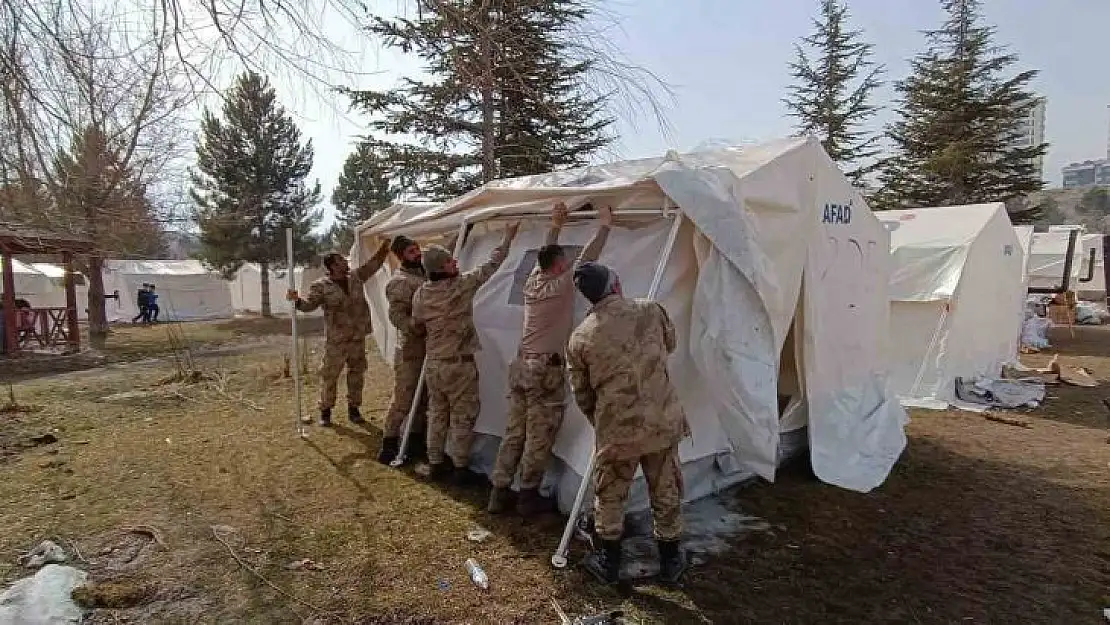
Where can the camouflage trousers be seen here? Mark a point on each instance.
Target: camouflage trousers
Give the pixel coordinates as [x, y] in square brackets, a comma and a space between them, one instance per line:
[663, 472]
[349, 354]
[537, 396]
[453, 407]
[406, 377]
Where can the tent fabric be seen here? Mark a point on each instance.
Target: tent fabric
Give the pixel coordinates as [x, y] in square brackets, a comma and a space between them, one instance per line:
[1047, 258]
[33, 285]
[957, 291]
[1092, 248]
[772, 240]
[246, 289]
[186, 290]
[57, 296]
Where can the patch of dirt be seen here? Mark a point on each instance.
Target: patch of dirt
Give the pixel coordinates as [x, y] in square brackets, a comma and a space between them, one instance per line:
[980, 521]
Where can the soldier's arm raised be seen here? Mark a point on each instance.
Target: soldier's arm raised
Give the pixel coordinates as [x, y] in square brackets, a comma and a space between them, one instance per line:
[315, 298]
[372, 266]
[579, 375]
[593, 249]
[558, 220]
[481, 275]
[669, 338]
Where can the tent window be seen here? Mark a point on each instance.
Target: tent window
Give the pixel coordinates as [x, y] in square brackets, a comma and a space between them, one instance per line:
[524, 269]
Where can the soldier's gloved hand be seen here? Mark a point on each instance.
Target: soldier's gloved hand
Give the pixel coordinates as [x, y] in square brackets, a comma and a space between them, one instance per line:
[291, 295]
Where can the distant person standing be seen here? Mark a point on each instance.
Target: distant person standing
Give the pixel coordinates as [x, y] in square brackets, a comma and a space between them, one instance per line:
[141, 302]
[617, 359]
[151, 304]
[346, 323]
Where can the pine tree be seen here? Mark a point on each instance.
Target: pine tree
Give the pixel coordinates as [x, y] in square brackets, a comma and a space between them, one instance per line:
[250, 184]
[502, 97]
[363, 189]
[957, 139]
[835, 80]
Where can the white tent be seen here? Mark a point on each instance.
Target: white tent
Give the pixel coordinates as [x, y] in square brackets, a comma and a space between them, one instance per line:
[1092, 279]
[31, 284]
[1047, 256]
[956, 294]
[754, 250]
[246, 289]
[57, 296]
[186, 290]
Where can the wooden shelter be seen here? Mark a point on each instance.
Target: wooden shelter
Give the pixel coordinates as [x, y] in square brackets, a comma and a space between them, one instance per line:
[31, 328]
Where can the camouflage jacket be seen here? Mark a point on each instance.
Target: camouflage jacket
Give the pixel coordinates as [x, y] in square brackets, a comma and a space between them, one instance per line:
[399, 292]
[618, 371]
[346, 313]
[446, 308]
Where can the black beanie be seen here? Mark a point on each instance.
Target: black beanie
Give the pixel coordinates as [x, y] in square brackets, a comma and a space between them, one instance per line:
[400, 244]
[592, 280]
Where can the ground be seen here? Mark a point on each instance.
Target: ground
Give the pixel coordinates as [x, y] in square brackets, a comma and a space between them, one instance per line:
[189, 504]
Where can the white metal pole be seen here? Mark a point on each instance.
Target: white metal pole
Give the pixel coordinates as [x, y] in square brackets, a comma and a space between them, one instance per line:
[296, 358]
[400, 458]
[559, 558]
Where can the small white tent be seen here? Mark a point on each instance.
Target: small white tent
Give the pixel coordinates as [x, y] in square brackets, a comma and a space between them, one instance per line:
[1048, 254]
[246, 289]
[956, 294]
[57, 295]
[753, 250]
[186, 290]
[32, 285]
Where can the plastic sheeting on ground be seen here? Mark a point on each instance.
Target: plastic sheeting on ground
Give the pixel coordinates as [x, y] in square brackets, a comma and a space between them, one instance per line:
[44, 598]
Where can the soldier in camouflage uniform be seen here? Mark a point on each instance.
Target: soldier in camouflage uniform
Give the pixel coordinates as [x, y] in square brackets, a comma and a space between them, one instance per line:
[408, 356]
[445, 305]
[347, 322]
[537, 380]
[618, 370]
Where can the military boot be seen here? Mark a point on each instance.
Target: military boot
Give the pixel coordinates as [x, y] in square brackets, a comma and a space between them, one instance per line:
[463, 476]
[531, 503]
[325, 417]
[418, 447]
[499, 500]
[439, 471]
[355, 415]
[672, 561]
[605, 563]
[390, 446]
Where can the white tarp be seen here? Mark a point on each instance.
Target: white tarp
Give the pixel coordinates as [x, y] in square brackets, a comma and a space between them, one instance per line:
[186, 290]
[957, 295]
[246, 289]
[1096, 285]
[1047, 258]
[774, 235]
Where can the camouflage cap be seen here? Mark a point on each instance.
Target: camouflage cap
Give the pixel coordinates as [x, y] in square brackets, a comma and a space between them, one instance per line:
[436, 258]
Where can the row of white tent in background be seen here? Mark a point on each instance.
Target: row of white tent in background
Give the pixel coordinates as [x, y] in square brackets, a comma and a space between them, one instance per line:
[186, 290]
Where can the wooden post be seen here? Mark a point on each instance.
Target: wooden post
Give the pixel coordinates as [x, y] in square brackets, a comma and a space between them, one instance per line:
[10, 330]
[72, 328]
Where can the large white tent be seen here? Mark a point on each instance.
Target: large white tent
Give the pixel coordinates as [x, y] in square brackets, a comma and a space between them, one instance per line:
[956, 296]
[186, 290]
[754, 249]
[56, 298]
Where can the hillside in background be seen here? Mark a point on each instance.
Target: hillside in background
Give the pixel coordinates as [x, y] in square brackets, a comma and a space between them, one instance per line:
[1088, 206]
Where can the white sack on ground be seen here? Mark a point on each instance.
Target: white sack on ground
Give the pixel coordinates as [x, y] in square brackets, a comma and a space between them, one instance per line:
[44, 598]
[775, 243]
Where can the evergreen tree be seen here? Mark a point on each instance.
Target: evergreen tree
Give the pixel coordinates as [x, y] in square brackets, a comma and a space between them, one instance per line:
[502, 97]
[250, 184]
[835, 80]
[363, 189]
[960, 122]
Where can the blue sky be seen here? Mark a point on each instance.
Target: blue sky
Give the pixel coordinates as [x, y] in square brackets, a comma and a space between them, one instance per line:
[727, 63]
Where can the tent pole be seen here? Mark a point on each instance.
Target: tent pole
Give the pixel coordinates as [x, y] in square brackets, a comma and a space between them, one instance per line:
[559, 558]
[299, 423]
[400, 458]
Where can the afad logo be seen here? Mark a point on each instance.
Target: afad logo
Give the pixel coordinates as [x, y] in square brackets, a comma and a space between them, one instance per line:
[837, 213]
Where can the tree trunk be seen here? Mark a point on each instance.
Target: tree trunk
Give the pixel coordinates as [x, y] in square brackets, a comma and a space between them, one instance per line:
[98, 316]
[264, 280]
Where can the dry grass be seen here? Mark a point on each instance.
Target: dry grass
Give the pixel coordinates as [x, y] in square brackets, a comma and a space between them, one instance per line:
[981, 521]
